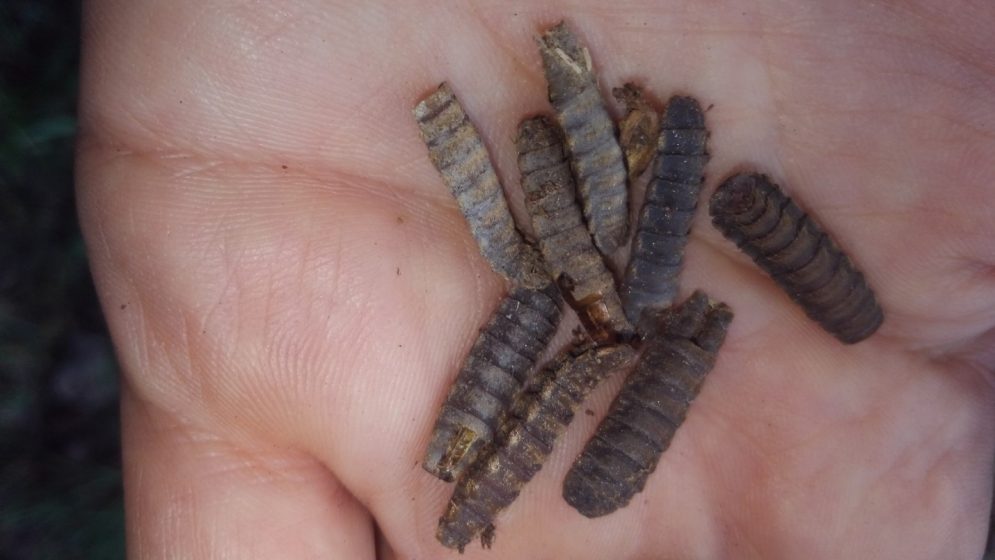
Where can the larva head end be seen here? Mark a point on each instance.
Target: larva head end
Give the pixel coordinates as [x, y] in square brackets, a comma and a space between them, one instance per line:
[451, 450]
[556, 35]
[450, 535]
[433, 102]
[537, 132]
[684, 112]
[736, 194]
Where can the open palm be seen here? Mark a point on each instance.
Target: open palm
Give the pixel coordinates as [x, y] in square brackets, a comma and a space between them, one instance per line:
[291, 287]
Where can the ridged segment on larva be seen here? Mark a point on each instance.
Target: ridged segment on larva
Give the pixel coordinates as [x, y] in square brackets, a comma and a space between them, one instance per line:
[565, 244]
[525, 441]
[649, 409]
[455, 147]
[651, 278]
[491, 377]
[590, 134]
[787, 244]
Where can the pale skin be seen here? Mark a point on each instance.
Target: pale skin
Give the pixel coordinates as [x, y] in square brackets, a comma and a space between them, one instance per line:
[291, 288]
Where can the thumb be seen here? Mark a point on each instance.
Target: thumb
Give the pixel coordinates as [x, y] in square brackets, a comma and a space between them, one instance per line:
[192, 493]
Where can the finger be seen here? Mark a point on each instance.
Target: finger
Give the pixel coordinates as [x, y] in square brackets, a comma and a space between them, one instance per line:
[190, 493]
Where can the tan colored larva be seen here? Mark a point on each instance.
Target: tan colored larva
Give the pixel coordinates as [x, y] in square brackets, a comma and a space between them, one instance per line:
[492, 375]
[507, 348]
[565, 244]
[590, 135]
[525, 441]
[457, 151]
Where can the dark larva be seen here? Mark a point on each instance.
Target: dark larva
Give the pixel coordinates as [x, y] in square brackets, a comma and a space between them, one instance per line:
[564, 241]
[786, 243]
[525, 442]
[491, 377]
[665, 220]
[590, 135]
[638, 131]
[459, 154]
[651, 406]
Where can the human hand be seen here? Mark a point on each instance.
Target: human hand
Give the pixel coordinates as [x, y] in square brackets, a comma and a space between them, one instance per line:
[291, 288]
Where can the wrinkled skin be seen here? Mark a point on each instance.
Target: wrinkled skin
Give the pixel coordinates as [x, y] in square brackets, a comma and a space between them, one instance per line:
[291, 288]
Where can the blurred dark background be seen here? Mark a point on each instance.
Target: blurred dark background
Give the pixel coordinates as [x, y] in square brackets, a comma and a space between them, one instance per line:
[60, 474]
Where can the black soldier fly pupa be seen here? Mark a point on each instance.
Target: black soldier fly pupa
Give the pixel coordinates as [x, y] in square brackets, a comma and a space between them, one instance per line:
[525, 441]
[457, 151]
[651, 278]
[521, 327]
[492, 375]
[590, 136]
[786, 243]
[651, 406]
[564, 241]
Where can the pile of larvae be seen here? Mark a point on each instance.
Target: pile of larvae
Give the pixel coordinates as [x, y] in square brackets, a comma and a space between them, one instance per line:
[501, 418]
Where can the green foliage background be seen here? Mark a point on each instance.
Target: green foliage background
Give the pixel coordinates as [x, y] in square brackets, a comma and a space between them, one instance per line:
[60, 475]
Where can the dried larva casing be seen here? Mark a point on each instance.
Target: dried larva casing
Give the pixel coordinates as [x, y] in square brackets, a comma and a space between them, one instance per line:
[638, 130]
[455, 147]
[565, 244]
[491, 377]
[649, 409]
[651, 278]
[786, 243]
[590, 135]
[525, 441]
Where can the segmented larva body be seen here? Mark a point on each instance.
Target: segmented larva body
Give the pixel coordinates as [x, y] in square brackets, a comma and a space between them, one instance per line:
[455, 147]
[565, 244]
[651, 406]
[651, 278]
[787, 244]
[491, 377]
[525, 441]
[590, 136]
[638, 130]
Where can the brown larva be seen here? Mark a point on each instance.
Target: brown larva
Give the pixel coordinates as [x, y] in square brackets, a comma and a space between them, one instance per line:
[651, 406]
[638, 130]
[786, 243]
[665, 220]
[526, 319]
[459, 154]
[590, 136]
[565, 244]
[491, 377]
[525, 441]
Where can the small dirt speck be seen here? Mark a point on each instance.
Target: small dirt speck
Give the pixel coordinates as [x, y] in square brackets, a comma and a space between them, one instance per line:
[398, 271]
